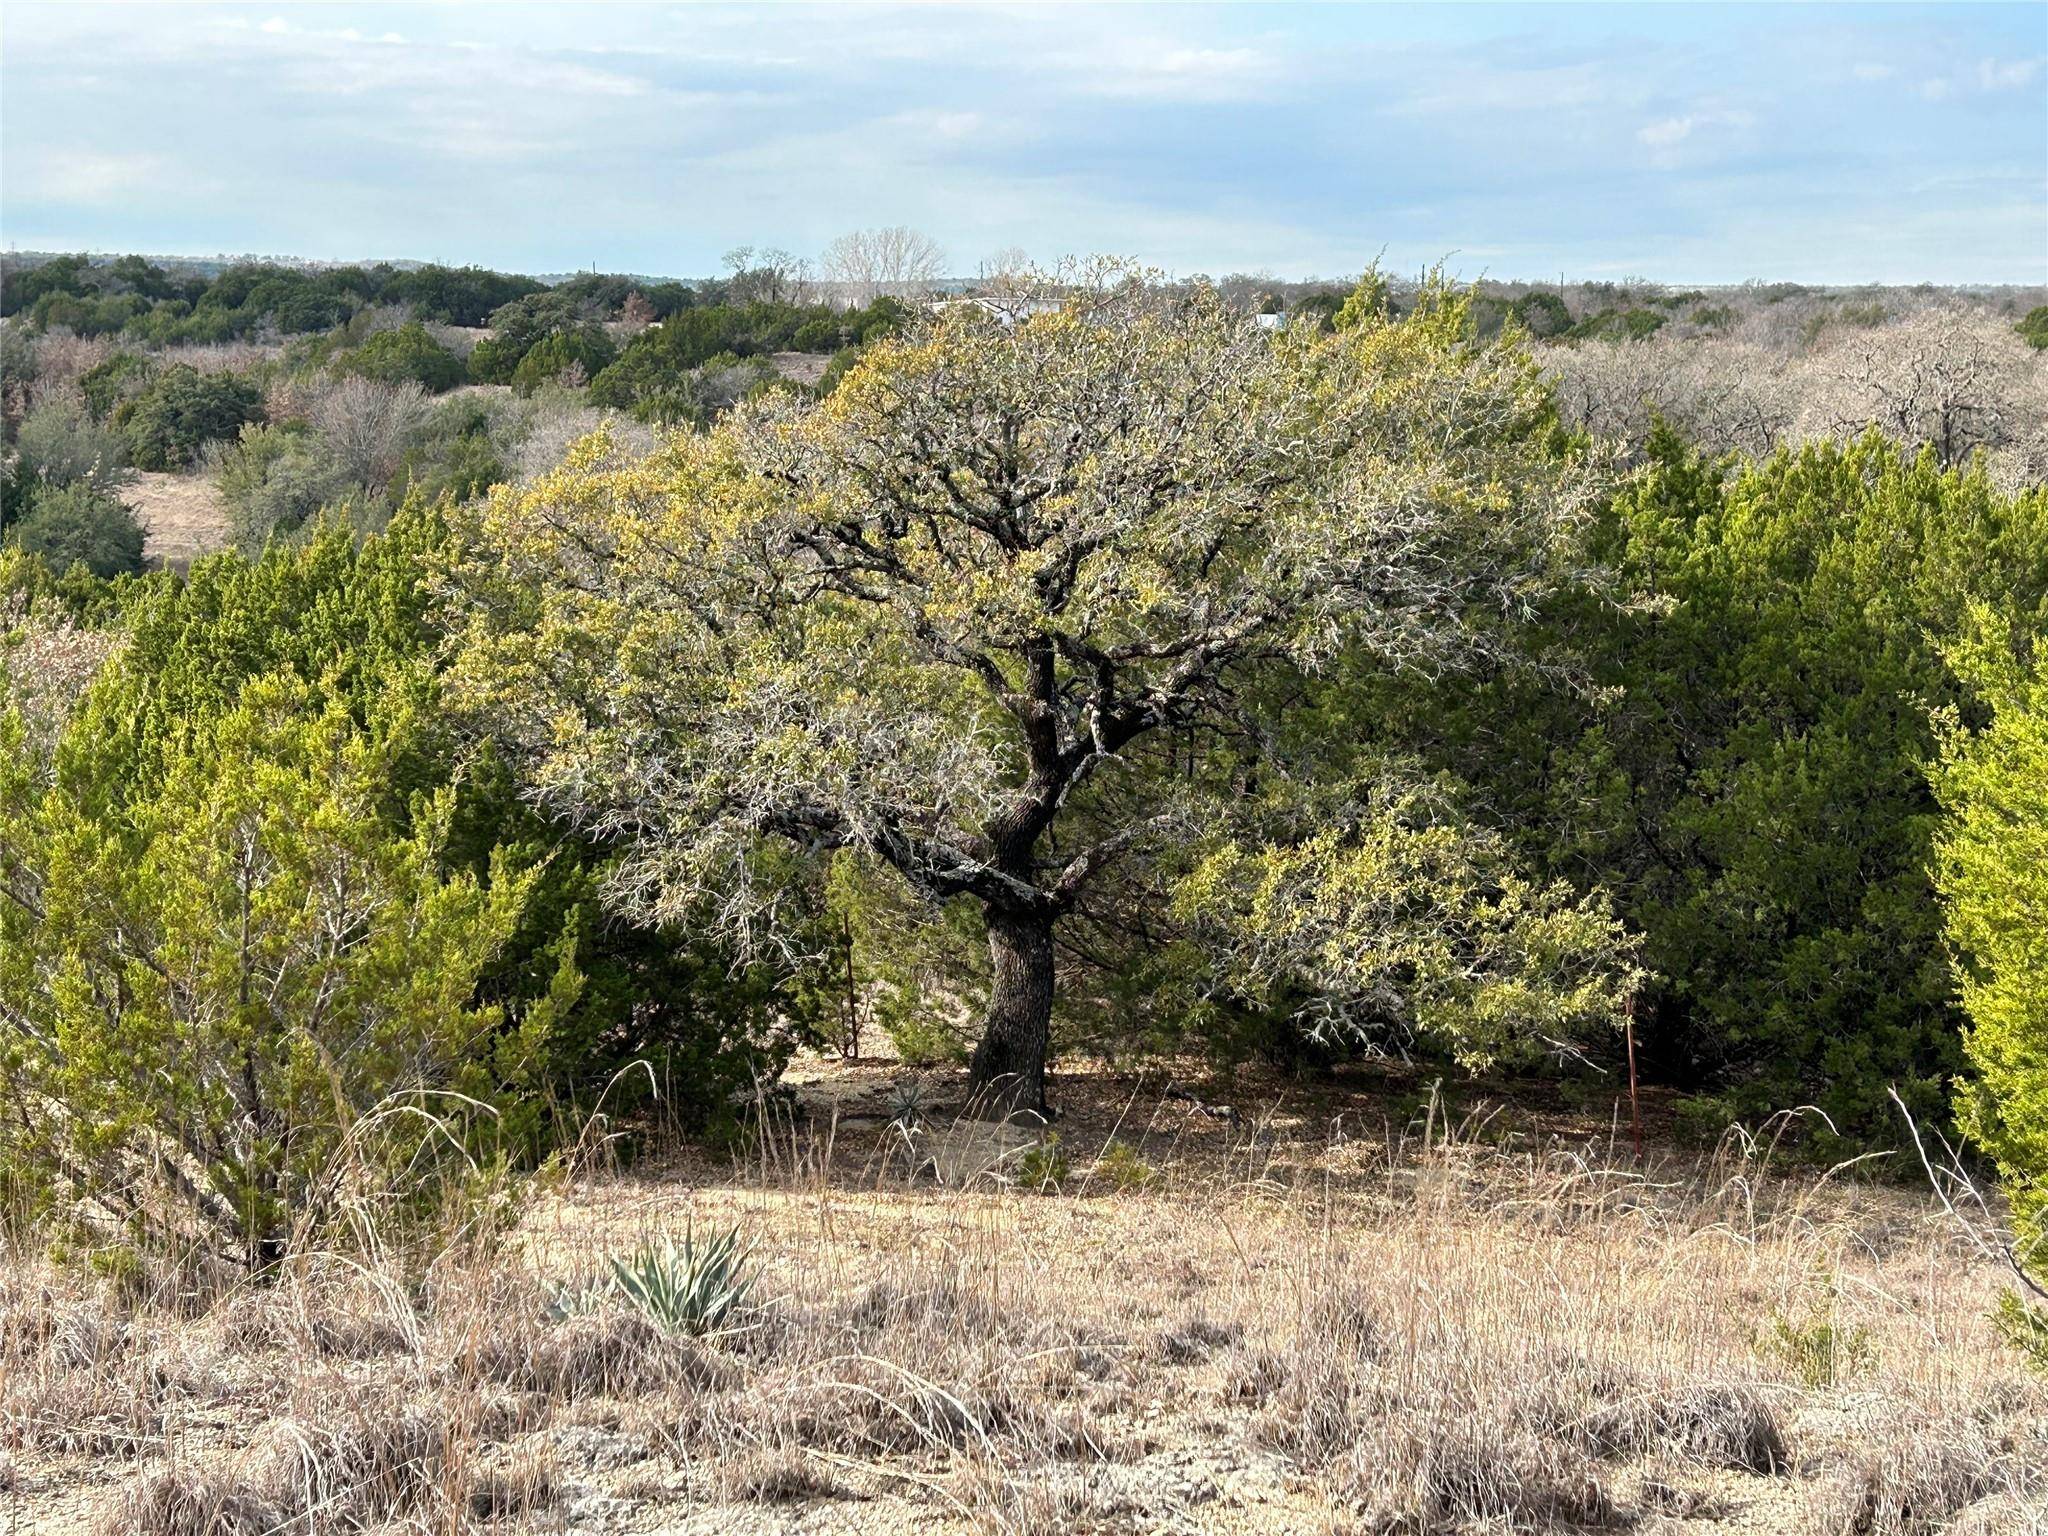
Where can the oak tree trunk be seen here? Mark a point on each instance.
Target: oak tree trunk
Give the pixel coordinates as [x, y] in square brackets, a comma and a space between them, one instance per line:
[1007, 1074]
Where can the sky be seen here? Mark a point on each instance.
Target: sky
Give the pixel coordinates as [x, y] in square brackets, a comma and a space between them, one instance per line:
[1689, 144]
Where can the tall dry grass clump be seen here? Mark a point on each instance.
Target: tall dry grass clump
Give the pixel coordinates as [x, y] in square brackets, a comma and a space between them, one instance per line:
[1298, 1323]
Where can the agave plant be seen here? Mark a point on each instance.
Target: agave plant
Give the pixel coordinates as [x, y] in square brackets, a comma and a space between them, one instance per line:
[562, 1302]
[906, 1104]
[687, 1289]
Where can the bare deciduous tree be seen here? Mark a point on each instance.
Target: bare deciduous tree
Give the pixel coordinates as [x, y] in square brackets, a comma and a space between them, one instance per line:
[550, 421]
[1007, 262]
[897, 261]
[365, 423]
[1949, 378]
[768, 275]
[1728, 397]
[636, 314]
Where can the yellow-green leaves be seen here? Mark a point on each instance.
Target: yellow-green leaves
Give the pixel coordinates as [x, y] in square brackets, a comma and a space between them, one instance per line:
[214, 978]
[1991, 867]
[949, 618]
[1390, 912]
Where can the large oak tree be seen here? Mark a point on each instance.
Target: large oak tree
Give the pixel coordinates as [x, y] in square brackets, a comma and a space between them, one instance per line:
[950, 616]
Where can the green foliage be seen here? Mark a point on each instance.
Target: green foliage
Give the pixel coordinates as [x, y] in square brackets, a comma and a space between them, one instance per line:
[572, 310]
[276, 480]
[493, 360]
[59, 443]
[1748, 777]
[697, 363]
[785, 692]
[905, 1104]
[587, 350]
[1782, 703]
[88, 316]
[1369, 302]
[1393, 910]
[106, 384]
[1819, 1350]
[1992, 871]
[837, 369]
[18, 487]
[20, 365]
[1319, 309]
[1541, 313]
[1616, 325]
[1124, 1169]
[454, 455]
[454, 295]
[75, 525]
[240, 992]
[142, 301]
[298, 692]
[180, 410]
[691, 1289]
[31, 593]
[406, 354]
[819, 335]
[885, 966]
[353, 618]
[2033, 328]
[1041, 1168]
[22, 287]
[882, 318]
[2023, 1322]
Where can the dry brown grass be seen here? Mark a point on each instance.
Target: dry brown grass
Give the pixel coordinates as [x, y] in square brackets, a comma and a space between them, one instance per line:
[182, 516]
[1320, 1320]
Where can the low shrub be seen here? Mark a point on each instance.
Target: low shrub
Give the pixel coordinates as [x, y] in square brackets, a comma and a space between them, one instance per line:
[406, 355]
[59, 443]
[1124, 1168]
[1042, 1168]
[181, 410]
[74, 524]
[275, 480]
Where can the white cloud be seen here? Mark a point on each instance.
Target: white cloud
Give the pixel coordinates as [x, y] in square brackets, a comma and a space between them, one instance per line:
[1211, 63]
[78, 176]
[2006, 74]
[1666, 131]
[1465, 91]
[1222, 137]
[1665, 135]
[1148, 67]
[936, 124]
[1989, 77]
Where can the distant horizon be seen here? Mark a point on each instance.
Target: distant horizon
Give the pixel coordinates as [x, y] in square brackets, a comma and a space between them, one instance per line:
[1830, 145]
[958, 278]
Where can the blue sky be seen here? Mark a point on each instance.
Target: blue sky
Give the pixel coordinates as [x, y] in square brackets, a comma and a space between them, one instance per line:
[1692, 144]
